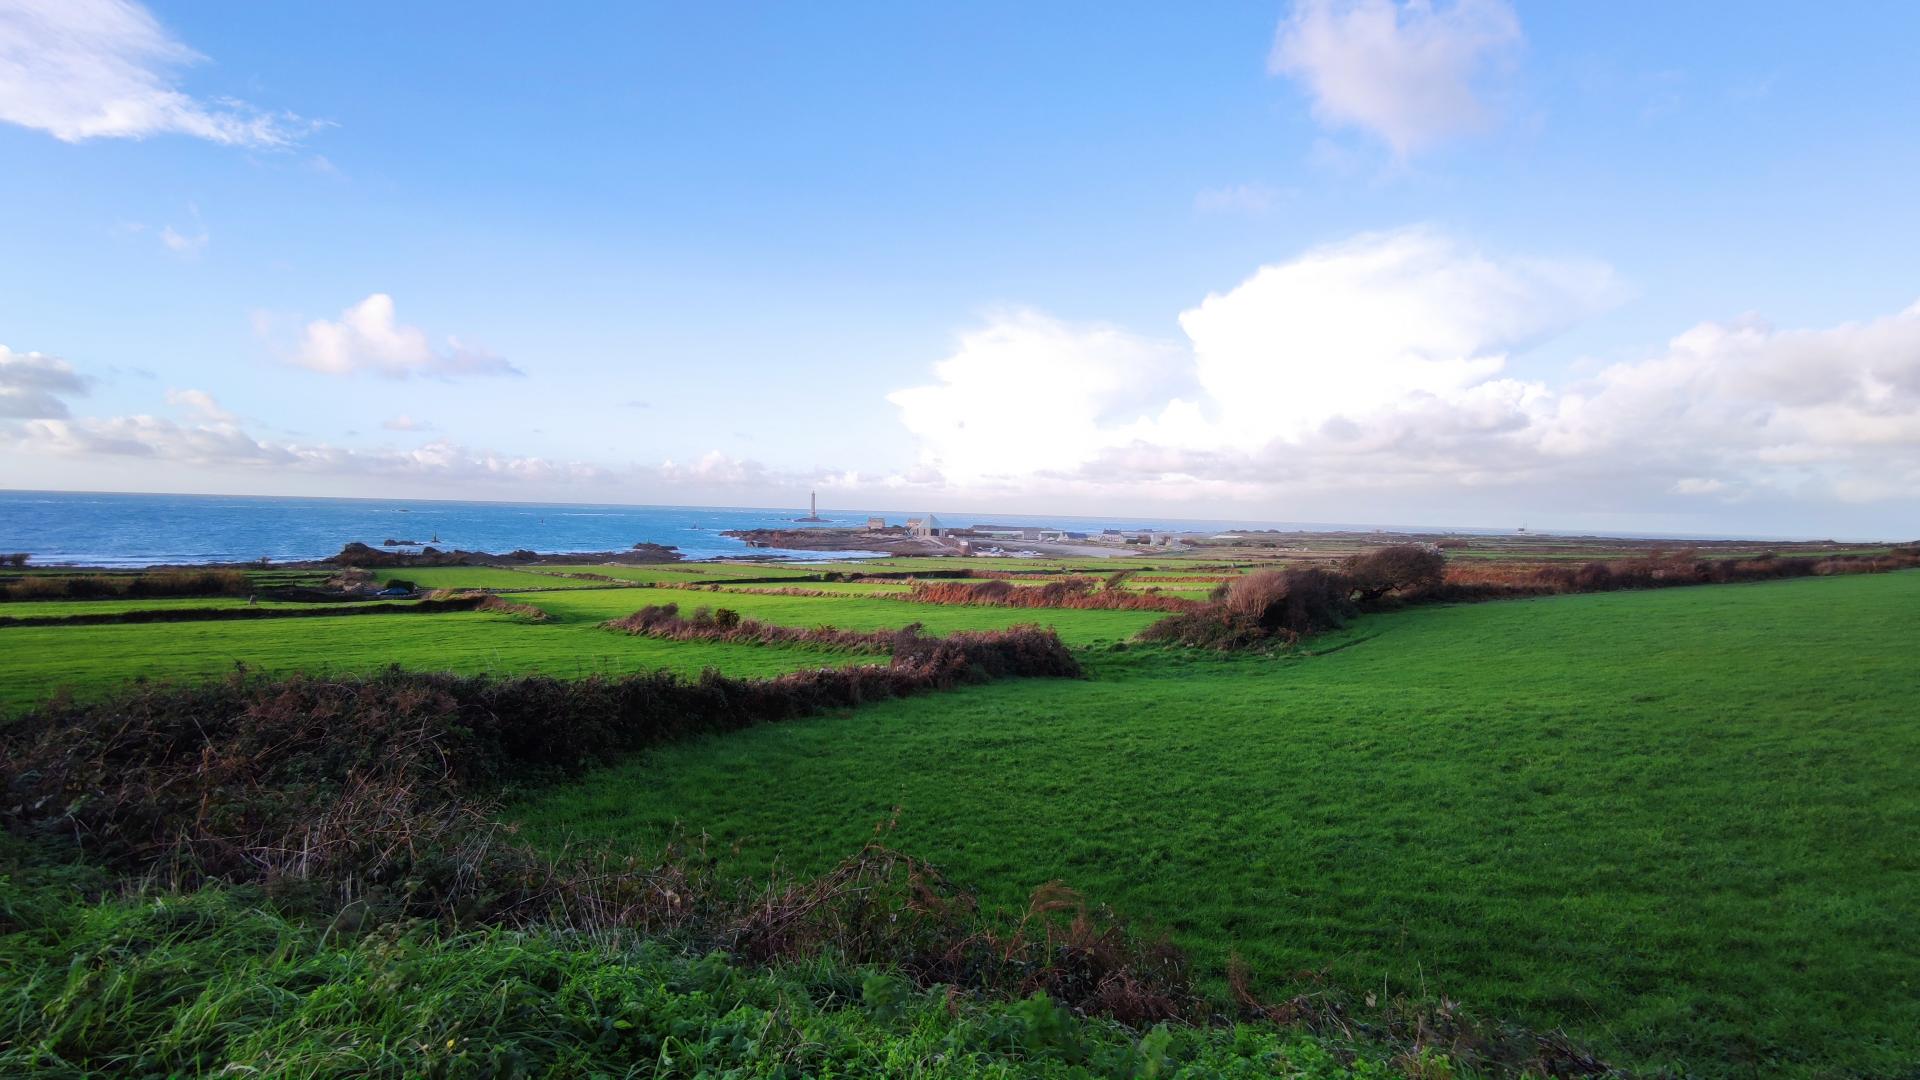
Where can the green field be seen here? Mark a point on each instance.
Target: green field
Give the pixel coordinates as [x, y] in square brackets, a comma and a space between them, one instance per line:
[849, 588]
[1678, 823]
[851, 613]
[57, 609]
[35, 661]
[703, 573]
[482, 577]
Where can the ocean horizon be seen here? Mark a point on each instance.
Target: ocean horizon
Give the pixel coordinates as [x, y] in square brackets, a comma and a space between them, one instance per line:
[130, 529]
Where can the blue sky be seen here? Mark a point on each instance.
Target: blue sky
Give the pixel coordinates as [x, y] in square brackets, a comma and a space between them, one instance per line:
[1633, 266]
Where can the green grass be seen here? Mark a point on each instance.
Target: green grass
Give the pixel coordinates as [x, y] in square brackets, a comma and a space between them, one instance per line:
[1679, 823]
[700, 572]
[35, 661]
[57, 609]
[211, 984]
[1089, 564]
[849, 588]
[481, 577]
[851, 613]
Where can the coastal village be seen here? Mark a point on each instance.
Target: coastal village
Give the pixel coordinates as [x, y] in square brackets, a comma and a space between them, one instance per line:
[926, 534]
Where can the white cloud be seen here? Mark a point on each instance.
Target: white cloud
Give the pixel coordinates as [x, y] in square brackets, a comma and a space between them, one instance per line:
[1833, 412]
[1028, 392]
[1376, 373]
[85, 69]
[1349, 330]
[367, 338]
[403, 422]
[1411, 73]
[200, 404]
[31, 384]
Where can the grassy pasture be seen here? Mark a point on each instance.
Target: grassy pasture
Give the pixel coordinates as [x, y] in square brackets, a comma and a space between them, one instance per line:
[704, 573]
[1089, 565]
[1678, 823]
[55, 609]
[481, 577]
[36, 661]
[851, 613]
[849, 588]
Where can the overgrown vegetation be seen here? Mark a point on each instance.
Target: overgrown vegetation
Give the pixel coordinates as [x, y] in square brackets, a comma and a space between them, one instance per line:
[1269, 607]
[1491, 580]
[213, 983]
[1273, 608]
[105, 586]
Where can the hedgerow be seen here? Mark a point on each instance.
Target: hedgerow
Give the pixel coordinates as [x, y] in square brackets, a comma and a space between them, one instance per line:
[1277, 607]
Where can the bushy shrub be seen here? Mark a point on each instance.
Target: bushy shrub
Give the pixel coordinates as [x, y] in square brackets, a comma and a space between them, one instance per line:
[1409, 569]
[1261, 610]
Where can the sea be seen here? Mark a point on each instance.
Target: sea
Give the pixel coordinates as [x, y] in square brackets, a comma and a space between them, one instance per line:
[89, 529]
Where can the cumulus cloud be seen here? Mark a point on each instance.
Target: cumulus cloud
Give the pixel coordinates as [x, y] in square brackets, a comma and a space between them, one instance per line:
[1380, 368]
[1411, 73]
[403, 422]
[31, 384]
[1028, 390]
[86, 69]
[1832, 412]
[368, 338]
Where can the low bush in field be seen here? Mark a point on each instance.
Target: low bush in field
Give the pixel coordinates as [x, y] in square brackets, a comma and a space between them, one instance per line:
[1397, 568]
[725, 624]
[1069, 592]
[1078, 593]
[1266, 608]
[109, 586]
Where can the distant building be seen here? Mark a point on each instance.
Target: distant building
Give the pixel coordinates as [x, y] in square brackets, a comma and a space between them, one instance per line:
[923, 528]
[875, 524]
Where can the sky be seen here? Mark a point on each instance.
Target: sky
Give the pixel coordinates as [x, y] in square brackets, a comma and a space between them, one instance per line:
[1637, 267]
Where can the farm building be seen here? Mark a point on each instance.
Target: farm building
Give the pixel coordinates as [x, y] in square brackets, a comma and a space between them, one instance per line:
[923, 528]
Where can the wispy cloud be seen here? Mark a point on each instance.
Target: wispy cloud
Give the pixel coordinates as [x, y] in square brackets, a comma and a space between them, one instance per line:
[88, 69]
